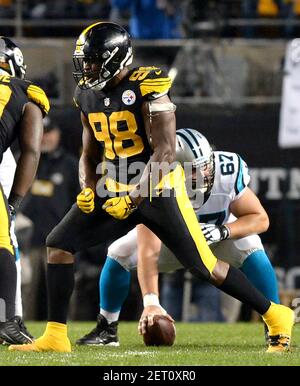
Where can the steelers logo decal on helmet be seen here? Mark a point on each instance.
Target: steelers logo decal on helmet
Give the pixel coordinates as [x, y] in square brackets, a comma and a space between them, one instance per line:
[128, 97]
[18, 56]
[11, 58]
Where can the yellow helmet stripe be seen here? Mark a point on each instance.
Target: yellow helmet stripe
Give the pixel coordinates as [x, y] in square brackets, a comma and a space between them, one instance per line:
[86, 30]
[80, 41]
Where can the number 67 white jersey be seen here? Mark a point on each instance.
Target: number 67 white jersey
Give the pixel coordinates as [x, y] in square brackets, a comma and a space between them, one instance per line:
[231, 179]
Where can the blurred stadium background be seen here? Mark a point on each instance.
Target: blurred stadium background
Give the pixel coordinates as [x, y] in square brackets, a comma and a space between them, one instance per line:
[228, 70]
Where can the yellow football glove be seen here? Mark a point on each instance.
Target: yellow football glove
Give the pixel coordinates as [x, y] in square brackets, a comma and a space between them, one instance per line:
[85, 200]
[119, 207]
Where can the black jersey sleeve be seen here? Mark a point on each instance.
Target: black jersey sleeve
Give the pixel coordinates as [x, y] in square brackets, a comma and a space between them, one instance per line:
[153, 82]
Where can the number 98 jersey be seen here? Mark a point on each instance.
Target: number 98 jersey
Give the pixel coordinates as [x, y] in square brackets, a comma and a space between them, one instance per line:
[231, 179]
[115, 114]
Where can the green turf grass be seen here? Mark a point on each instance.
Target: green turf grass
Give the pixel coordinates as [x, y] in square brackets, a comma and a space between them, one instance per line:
[196, 344]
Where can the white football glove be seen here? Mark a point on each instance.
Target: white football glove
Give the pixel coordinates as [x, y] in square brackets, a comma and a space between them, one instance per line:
[215, 233]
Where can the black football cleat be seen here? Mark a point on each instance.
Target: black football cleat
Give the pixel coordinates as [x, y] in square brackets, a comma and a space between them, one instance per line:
[14, 332]
[103, 334]
[23, 328]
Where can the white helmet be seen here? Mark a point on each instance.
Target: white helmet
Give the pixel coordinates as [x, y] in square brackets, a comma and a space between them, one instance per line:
[192, 147]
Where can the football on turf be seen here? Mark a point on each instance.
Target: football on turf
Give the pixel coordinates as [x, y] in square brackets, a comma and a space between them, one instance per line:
[161, 333]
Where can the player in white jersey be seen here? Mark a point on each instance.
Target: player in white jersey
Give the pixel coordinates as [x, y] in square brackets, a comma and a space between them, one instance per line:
[231, 217]
[7, 172]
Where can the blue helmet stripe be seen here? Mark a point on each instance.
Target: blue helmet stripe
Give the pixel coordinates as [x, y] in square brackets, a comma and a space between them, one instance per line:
[194, 142]
[193, 134]
[187, 140]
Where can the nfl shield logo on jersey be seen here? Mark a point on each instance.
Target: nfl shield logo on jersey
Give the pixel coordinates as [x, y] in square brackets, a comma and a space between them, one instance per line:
[106, 102]
[128, 97]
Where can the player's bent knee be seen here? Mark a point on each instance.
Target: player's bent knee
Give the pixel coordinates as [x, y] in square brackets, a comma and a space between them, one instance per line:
[52, 240]
[125, 261]
[58, 256]
[202, 274]
[57, 239]
[219, 273]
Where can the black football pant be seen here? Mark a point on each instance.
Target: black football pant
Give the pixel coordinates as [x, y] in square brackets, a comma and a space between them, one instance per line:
[171, 218]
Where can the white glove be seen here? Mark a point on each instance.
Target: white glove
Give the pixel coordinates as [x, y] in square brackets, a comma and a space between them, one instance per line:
[215, 233]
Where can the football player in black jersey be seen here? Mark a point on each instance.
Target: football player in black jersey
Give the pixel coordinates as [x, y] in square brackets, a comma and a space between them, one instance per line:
[128, 120]
[22, 106]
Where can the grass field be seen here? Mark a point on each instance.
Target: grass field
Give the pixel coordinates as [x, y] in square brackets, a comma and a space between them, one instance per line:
[196, 344]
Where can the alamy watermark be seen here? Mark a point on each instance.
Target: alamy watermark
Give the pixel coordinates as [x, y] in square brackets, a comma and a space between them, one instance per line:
[162, 178]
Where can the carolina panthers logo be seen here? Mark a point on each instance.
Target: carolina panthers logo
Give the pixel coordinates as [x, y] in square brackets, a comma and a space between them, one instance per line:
[128, 97]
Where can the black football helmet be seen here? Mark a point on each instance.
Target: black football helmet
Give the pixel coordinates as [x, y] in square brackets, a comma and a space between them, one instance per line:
[108, 46]
[11, 58]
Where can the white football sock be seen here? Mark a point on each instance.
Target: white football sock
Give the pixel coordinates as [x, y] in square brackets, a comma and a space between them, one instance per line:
[110, 316]
[18, 300]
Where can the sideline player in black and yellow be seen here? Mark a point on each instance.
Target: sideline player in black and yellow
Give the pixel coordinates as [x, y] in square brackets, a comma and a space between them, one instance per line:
[127, 116]
[22, 106]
